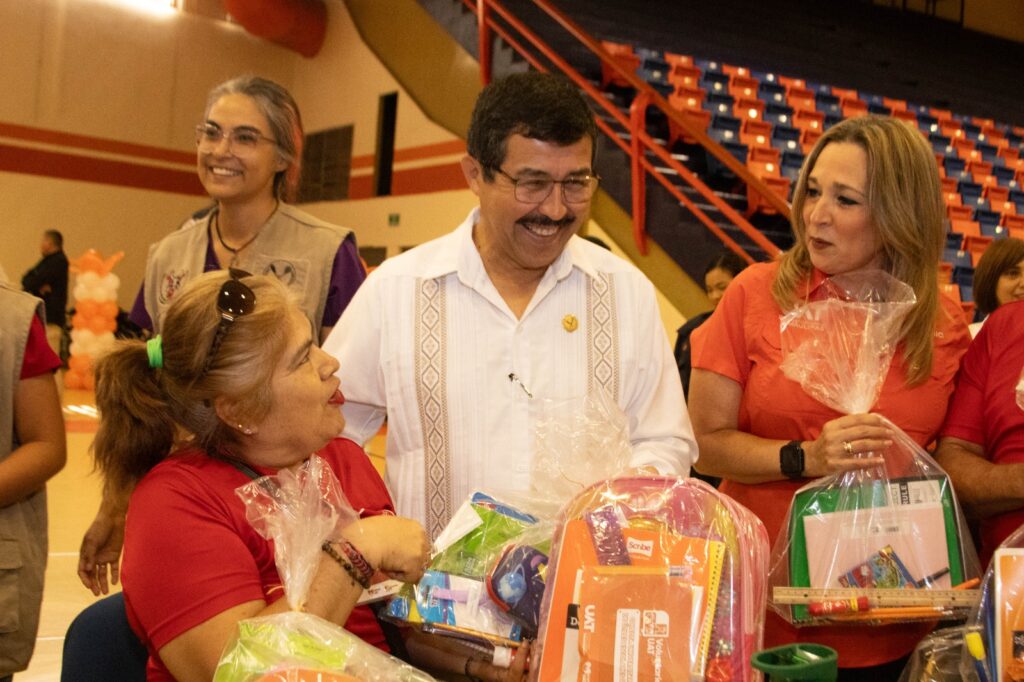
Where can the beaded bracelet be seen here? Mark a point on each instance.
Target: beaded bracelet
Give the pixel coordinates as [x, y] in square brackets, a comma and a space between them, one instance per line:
[344, 563]
[357, 559]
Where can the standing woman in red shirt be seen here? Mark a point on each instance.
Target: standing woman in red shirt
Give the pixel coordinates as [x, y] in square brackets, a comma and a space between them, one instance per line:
[868, 197]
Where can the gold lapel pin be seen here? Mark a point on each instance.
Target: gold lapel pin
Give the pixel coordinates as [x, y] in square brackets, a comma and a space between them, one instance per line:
[570, 323]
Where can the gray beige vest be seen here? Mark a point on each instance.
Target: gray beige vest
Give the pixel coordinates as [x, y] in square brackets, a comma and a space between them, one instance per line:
[296, 247]
[23, 538]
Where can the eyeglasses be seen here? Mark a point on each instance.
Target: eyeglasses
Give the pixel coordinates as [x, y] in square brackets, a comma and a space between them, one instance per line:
[234, 300]
[240, 140]
[576, 189]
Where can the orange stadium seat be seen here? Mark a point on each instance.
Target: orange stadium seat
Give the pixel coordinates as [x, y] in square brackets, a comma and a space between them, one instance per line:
[622, 54]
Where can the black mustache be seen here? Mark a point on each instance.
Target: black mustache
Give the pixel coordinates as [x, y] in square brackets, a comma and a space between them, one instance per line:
[543, 220]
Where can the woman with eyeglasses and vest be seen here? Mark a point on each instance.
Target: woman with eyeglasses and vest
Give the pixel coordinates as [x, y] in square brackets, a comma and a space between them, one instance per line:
[248, 157]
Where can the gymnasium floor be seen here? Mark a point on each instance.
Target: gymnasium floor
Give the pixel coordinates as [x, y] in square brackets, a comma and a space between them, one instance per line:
[73, 497]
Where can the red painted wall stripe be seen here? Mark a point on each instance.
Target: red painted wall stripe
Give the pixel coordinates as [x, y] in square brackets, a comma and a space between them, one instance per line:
[412, 181]
[98, 144]
[104, 171]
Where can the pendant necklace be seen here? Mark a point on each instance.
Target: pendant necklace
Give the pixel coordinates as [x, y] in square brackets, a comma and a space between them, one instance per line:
[233, 251]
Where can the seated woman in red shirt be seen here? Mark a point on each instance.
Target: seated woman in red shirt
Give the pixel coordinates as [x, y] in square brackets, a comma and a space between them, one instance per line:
[868, 197]
[239, 374]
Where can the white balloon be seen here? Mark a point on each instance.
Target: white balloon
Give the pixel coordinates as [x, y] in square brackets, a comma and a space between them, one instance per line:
[88, 278]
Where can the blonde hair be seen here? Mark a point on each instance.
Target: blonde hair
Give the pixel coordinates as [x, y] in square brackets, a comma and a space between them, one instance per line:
[904, 196]
[145, 411]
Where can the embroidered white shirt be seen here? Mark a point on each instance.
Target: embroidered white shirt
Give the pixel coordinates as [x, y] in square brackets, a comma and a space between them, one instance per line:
[428, 342]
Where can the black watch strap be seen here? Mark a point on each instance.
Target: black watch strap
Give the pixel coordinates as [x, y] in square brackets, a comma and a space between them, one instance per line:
[791, 459]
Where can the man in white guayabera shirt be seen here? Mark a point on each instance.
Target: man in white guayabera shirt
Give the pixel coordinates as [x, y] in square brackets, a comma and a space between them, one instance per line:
[459, 340]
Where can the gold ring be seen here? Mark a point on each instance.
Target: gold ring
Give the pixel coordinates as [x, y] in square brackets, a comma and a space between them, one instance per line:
[847, 447]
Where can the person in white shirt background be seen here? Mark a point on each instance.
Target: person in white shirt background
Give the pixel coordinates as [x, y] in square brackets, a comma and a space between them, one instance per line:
[460, 341]
[998, 279]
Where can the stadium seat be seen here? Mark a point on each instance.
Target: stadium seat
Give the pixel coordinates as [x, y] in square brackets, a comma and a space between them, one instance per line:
[684, 75]
[800, 98]
[950, 289]
[808, 138]
[715, 81]
[905, 115]
[719, 103]
[786, 138]
[809, 120]
[828, 104]
[748, 109]
[757, 203]
[778, 114]
[852, 106]
[698, 117]
[959, 212]
[771, 93]
[756, 134]
[743, 87]
[674, 58]
[685, 97]
[622, 54]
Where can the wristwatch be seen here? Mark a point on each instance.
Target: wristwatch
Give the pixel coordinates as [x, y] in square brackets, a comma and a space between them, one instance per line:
[791, 459]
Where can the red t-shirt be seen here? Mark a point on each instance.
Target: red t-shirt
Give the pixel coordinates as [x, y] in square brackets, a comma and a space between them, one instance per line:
[984, 408]
[741, 341]
[39, 357]
[190, 553]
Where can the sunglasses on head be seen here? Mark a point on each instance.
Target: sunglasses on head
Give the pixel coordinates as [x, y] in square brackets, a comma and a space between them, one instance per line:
[234, 300]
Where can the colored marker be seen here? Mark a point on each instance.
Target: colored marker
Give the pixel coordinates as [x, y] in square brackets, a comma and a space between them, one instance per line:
[836, 606]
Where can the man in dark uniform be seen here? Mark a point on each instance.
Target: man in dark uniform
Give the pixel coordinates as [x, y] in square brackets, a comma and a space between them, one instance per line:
[48, 280]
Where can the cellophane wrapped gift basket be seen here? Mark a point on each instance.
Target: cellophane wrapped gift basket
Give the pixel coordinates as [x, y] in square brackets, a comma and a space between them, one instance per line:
[299, 510]
[884, 540]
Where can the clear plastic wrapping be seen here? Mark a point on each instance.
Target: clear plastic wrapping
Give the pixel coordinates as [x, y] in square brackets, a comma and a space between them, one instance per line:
[891, 522]
[994, 635]
[937, 658]
[453, 597]
[487, 576]
[653, 578]
[299, 509]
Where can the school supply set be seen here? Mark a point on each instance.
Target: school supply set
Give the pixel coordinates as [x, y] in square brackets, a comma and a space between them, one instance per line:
[299, 510]
[488, 574]
[472, 561]
[867, 537]
[937, 658]
[994, 640]
[653, 578]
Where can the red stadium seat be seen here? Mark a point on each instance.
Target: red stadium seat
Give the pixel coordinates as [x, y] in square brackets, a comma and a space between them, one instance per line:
[959, 212]
[685, 97]
[800, 98]
[968, 228]
[698, 117]
[809, 120]
[756, 134]
[748, 109]
[623, 54]
[807, 139]
[673, 58]
[685, 75]
[743, 87]
[896, 105]
[904, 115]
[853, 106]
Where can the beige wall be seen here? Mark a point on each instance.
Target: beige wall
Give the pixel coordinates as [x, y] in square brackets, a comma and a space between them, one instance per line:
[100, 70]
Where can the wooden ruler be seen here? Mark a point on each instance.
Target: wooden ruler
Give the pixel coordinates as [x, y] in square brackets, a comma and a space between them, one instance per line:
[877, 597]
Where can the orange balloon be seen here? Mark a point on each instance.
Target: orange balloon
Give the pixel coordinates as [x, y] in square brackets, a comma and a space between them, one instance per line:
[108, 309]
[79, 321]
[89, 382]
[81, 363]
[96, 324]
[88, 307]
[74, 379]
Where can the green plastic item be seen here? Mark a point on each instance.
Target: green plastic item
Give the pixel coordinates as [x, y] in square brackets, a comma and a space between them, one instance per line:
[814, 662]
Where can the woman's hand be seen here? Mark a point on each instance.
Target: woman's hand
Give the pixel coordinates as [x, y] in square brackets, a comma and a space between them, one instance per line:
[393, 544]
[844, 443]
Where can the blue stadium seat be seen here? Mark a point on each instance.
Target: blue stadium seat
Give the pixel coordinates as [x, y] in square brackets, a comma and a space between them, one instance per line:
[879, 109]
[971, 131]
[715, 82]
[790, 166]
[828, 104]
[877, 100]
[778, 114]
[726, 122]
[1017, 197]
[648, 53]
[988, 152]
[708, 65]
[966, 290]
[926, 123]
[994, 231]
[771, 93]
[987, 217]
[969, 189]
[832, 119]
[719, 103]
[939, 142]
[654, 71]
[954, 166]
[786, 138]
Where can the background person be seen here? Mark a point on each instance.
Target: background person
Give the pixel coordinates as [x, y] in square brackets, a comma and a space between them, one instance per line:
[998, 279]
[982, 446]
[249, 159]
[48, 280]
[868, 197]
[718, 275]
[32, 450]
[459, 340]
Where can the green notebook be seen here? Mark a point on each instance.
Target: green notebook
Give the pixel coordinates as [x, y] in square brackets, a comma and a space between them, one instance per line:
[833, 526]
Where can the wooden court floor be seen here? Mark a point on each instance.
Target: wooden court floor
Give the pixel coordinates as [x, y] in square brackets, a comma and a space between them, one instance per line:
[73, 496]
